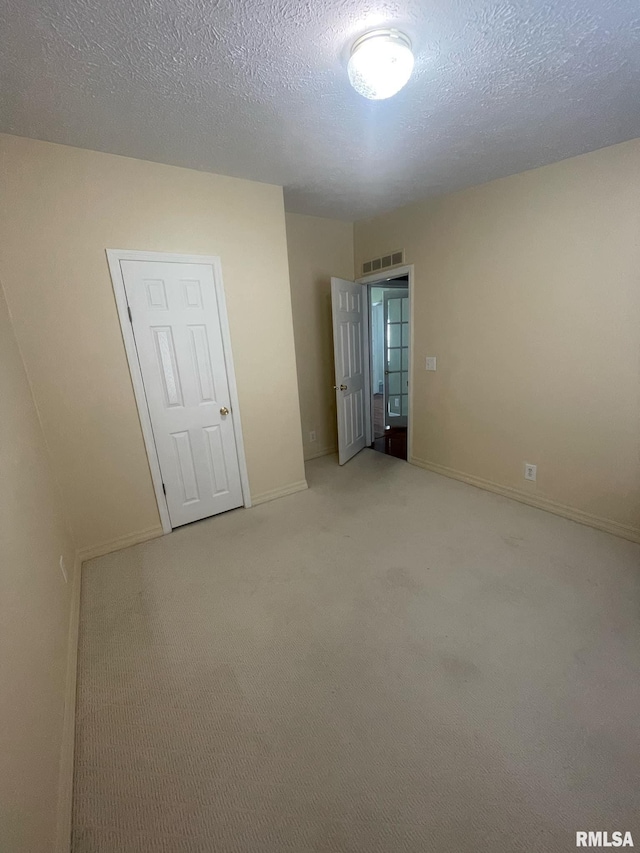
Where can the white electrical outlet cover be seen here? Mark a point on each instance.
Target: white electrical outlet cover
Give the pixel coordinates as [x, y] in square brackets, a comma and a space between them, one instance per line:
[431, 362]
[530, 471]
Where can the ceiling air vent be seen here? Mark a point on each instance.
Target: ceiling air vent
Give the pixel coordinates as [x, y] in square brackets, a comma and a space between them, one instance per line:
[393, 259]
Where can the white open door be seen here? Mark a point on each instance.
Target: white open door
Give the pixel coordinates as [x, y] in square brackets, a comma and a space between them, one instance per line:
[349, 310]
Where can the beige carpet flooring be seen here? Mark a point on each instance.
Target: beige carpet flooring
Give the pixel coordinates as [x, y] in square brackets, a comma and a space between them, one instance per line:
[389, 662]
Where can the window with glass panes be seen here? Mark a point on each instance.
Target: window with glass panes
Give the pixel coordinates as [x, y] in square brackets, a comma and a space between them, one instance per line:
[397, 352]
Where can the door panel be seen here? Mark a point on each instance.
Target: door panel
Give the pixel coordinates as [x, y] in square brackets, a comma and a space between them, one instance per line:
[185, 467]
[347, 304]
[176, 326]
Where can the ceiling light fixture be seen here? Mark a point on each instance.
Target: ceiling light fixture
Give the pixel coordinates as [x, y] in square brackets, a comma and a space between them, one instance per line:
[380, 64]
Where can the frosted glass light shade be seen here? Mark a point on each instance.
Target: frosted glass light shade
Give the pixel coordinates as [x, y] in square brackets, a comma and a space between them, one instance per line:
[381, 63]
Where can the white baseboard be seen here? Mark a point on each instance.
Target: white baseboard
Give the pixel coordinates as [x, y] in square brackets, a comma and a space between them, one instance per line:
[65, 781]
[325, 451]
[608, 525]
[118, 544]
[274, 494]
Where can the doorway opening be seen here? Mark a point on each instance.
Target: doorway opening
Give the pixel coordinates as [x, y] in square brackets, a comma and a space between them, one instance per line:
[389, 345]
[371, 378]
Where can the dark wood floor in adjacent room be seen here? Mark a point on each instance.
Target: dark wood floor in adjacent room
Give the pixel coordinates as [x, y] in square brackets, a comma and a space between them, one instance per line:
[392, 441]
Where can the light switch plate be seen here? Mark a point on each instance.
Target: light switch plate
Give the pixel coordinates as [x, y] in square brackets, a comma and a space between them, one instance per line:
[431, 362]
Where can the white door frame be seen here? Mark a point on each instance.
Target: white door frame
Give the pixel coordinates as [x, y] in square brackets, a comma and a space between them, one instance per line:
[378, 278]
[114, 256]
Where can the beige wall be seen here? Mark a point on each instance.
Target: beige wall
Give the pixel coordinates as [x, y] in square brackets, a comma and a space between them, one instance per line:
[528, 292]
[61, 208]
[34, 618]
[318, 249]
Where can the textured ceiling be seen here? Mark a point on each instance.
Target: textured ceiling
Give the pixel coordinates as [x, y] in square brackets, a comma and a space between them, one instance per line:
[259, 89]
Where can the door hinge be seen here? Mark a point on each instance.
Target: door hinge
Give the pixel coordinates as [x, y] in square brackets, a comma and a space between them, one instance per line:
[129, 313]
[164, 489]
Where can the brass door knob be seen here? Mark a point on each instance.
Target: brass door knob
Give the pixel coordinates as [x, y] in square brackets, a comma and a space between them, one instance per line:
[224, 411]
[342, 387]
